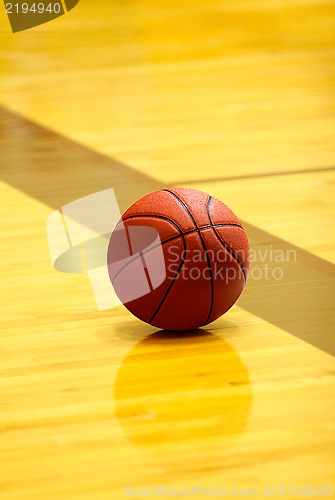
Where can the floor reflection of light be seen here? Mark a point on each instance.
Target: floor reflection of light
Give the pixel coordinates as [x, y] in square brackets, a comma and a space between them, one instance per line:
[187, 391]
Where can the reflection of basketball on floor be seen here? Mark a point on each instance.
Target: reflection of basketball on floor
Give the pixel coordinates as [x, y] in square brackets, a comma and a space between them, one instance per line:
[183, 391]
[204, 251]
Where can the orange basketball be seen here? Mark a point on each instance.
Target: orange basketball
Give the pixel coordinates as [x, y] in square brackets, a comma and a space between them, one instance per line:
[178, 259]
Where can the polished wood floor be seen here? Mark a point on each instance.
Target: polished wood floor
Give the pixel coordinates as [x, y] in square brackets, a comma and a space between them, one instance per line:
[234, 98]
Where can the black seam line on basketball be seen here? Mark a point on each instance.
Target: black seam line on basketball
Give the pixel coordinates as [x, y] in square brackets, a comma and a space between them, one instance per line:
[225, 245]
[209, 265]
[172, 282]
[129, 242]
[156, 216]
[146, 272]
[172, 238]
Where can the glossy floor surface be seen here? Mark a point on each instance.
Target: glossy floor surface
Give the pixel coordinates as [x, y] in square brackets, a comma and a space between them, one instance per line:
[231, 97]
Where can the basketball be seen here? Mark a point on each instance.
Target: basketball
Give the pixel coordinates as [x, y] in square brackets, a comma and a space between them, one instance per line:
[178, 259]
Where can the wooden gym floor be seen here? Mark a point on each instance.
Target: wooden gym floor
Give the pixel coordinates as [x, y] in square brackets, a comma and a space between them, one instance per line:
[232, 97]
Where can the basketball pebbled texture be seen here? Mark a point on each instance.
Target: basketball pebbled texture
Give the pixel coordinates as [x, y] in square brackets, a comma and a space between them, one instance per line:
[206, 254]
